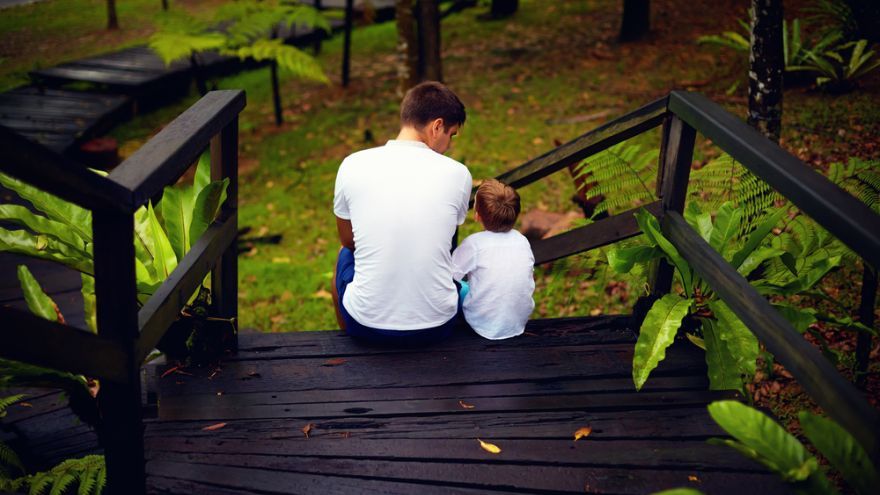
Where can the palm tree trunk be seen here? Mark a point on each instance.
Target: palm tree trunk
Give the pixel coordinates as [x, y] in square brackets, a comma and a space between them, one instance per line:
[765, 68]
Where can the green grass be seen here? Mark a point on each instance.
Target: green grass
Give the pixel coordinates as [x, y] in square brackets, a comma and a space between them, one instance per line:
[51, 32]
[521, 80]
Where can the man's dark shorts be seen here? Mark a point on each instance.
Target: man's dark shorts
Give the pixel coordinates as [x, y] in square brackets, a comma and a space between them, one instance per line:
[344, 276]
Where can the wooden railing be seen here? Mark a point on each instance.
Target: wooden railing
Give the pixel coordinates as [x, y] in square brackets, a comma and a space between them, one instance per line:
[682, 115]
[125, 334]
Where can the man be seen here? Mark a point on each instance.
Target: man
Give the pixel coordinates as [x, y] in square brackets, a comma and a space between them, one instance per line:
[397, 207]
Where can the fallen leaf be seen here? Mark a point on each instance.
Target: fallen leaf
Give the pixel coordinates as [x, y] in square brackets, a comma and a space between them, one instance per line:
[582, 432]
[465, 405]
[281, 259]
[322, 294]
[214, 427]
[595, 312]
[25, 404]
[169, 371]
[693, 478]
[489, 447]
[334, 362]
[307, 428]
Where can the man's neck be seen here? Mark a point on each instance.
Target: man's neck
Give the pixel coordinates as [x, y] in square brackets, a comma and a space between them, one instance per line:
[409, 133]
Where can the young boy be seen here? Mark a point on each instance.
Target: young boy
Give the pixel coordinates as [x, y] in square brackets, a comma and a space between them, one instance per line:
[498, 263]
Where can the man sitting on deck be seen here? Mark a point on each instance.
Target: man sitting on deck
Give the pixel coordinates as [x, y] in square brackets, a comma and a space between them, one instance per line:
[397, 207]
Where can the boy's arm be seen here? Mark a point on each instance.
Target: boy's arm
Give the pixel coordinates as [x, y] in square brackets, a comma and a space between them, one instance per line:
[346, 234]
[464, 260]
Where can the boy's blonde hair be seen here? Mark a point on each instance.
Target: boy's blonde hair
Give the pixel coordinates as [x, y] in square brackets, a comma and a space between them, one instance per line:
[498, 205]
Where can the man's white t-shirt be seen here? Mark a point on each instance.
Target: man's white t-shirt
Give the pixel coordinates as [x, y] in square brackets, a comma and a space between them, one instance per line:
[404, 201]
[500, 268]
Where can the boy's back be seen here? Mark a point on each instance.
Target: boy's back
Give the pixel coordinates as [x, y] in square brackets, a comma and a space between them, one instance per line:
[500, 267]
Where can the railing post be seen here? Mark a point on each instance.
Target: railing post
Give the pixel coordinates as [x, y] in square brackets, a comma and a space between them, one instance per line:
[121, 431]
[224, 278]
[866, 317]
[677, 151]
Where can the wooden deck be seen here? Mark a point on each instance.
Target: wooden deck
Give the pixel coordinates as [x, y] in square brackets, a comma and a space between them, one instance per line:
[386, 420]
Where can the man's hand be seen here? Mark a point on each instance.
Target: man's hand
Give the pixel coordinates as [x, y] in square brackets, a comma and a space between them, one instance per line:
[346, 234]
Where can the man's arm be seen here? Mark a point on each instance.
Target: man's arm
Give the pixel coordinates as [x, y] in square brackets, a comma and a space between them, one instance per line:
[346, 234]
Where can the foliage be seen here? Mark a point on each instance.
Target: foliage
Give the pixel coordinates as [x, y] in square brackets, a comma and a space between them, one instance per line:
[241, 29]
[837, 67]
[10, 464]
[759, 437]
[87, 474]
[620, 176]
[861, 178]
[789, 263]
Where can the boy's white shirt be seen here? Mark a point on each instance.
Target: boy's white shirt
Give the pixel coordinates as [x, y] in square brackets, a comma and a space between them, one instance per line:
[500, 271]
[404, 201]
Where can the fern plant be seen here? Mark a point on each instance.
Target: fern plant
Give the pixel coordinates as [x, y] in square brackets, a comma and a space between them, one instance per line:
[246, 29]
[722, 180]
[861, 178]
[621, 176]
[87, 474]
[10, 464]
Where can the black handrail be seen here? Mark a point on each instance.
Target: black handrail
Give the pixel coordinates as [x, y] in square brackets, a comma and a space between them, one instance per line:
[125, 335]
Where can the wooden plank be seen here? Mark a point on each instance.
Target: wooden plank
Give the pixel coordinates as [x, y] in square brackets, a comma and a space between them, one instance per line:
[116, 296]
[56, 175]
[839, 398]
[168, 154]
[167, 477]
[164, 306]
[74, 72]
[672, 184]
[29, 338]
[597, 234]
[420, 368]
[846, 217]
[653, 424]
[273, 473]
[421, 460]
[603, 137]
[227, 408]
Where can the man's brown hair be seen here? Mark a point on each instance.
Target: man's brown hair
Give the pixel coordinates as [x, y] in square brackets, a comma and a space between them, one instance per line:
[428, 101]
[498, 205]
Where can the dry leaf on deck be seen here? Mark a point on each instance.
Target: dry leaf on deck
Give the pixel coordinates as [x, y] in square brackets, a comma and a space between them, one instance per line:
[214, 427]
[582, 432]
[465, 405]
[489, 447]
[692, 477]
[169, 371]
[307, 428]
[334, 362]
[25, 404]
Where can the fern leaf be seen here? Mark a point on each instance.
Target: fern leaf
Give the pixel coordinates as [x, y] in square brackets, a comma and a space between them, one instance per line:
[173, 46]
[9, 459]
[289, 58]
[5, 402]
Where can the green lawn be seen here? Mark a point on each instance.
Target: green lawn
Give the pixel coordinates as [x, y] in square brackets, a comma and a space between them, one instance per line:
[527, 82]
[51, 32]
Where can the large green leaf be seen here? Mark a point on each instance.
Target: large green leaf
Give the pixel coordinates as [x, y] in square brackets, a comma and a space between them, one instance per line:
[176, 218]
[765, 441]
[651, 228]
[622, 260]
[90, 302]
[722, 370]
[757, 236]
[164, 257]
[741, 343]
[727, 224]
[79, 219]
[701, 221]
[145, 249]
[842, 450]
[800, 318]
[656, 334]
[44, 247]
[756, 258]
[207, 205]
[38, 302]
[203, 175]
[19, 215]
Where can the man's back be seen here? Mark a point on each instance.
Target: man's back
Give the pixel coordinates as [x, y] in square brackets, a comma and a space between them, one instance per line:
[404, 201]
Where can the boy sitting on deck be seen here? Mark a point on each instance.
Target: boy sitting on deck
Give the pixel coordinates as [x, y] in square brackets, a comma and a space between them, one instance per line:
[499, 265]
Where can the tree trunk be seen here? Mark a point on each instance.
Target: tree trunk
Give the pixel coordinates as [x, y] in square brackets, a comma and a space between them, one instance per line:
[429, 38]
[407, 47]
[765, 68]
[503, 8]
[346, 42]
[636, 19]
[112, 21]
[165, 5]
